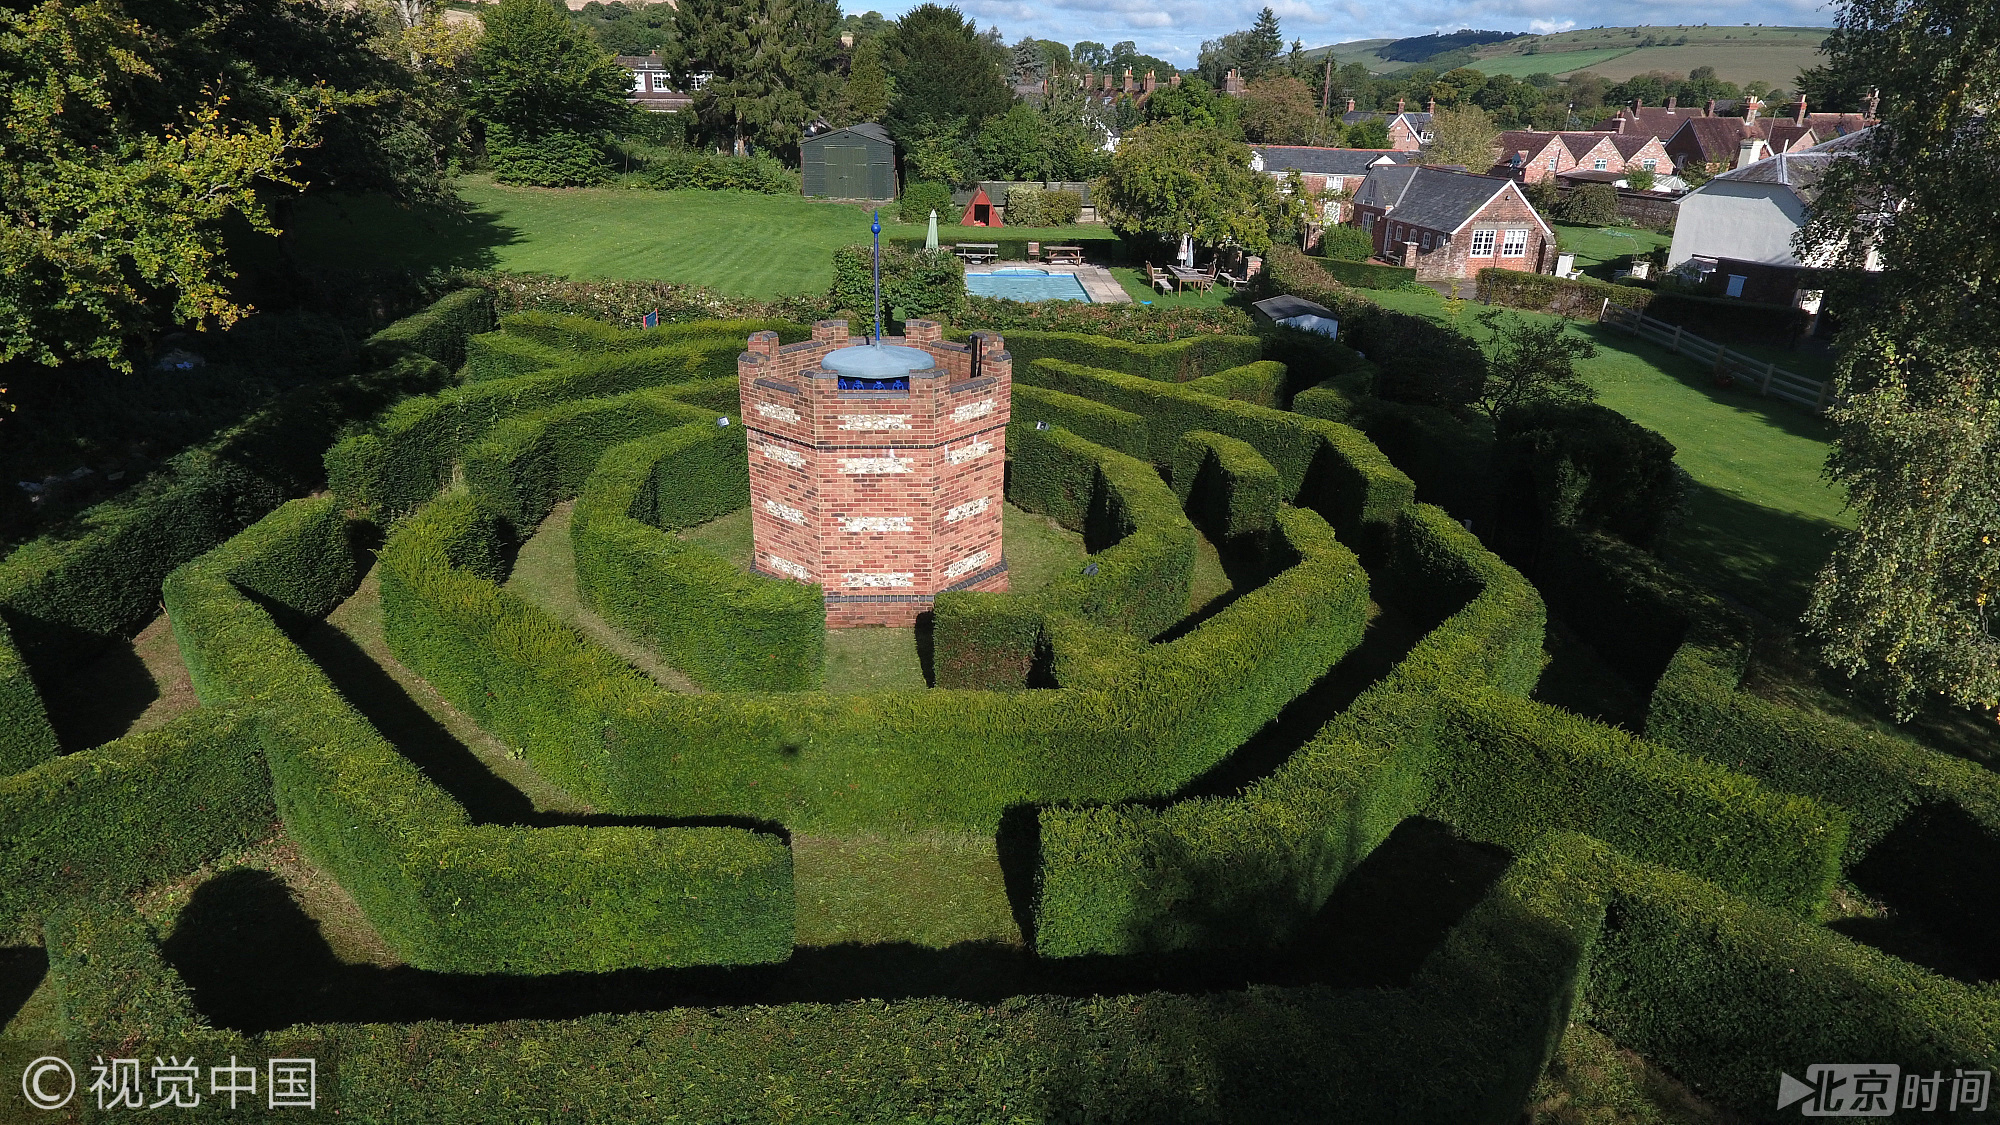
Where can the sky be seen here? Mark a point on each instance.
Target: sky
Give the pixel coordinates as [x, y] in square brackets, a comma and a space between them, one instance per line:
[1174, 29]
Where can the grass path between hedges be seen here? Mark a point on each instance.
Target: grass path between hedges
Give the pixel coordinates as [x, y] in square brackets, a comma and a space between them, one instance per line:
[1760, 516]
[132, 686]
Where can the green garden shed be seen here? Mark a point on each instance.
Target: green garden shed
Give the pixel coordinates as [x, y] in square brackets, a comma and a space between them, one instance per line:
[858, 162]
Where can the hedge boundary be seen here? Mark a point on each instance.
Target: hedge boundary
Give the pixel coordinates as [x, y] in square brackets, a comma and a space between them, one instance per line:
[1108, 426]
[1130, 720]
[727, 630]
[1177, 362]
[1137, 580]
[1226, 485]
[26, 737]
[447, 894]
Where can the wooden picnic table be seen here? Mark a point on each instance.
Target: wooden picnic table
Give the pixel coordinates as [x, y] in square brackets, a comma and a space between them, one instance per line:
[1063, 255]
[977, 251]
[1183, 276]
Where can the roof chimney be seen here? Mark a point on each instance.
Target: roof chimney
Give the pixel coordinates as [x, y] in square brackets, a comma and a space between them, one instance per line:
[1399, 106]
[1350, 105]
[1128, 79]
[1673, 103]
[1874, 101]
[1750, 107]
[1175, 80]
[1710, 111]
[1151, 80]
[1799, 118]
[1618, 124]
[1432, 108]
[1746, 153]
[1638, 104]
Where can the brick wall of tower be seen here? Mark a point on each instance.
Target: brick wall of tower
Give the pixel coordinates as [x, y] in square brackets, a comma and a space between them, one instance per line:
[883, 499]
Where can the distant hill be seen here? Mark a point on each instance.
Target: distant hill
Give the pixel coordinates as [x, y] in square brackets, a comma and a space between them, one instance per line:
[1738, 54]
[1420, 47]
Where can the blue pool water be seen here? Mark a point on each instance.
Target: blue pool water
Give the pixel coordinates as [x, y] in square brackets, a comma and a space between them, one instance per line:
[1026, 285]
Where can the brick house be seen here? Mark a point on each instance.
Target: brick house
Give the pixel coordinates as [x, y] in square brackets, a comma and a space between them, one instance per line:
[884, 486]
[1713, 144]
[1447, 224]
[1408, 132]
[1642, 153]
[1324, 169]
[652, 87]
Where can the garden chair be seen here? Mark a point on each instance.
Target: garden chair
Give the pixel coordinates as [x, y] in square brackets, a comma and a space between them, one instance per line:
[1161, 279]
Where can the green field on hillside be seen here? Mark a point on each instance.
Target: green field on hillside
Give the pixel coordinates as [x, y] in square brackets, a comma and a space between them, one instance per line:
[1552, 62]
[1738, 54]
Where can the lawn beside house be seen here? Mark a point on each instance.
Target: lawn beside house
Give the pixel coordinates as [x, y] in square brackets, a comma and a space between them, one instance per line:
[1760, 514]
[1598, 248]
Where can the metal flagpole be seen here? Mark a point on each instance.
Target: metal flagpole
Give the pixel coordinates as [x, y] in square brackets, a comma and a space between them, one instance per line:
[876, 226]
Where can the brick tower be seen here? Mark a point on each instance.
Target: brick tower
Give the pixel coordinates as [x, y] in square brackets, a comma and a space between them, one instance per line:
[877, 470]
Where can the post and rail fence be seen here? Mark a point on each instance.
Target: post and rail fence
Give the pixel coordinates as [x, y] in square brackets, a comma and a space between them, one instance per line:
[1770, 380]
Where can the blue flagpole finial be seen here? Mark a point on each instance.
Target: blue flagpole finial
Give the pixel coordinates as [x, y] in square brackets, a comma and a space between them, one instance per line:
[876, 227]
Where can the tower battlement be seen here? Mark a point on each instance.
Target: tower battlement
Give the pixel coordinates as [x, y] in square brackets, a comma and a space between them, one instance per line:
[878, 470]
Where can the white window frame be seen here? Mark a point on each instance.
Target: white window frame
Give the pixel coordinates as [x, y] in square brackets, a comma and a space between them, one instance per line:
[1482, 243]
[1427, 241]
[1368, 221]
[1600, 165]
[1514, 244]
[1552, 162]
[1649, 164]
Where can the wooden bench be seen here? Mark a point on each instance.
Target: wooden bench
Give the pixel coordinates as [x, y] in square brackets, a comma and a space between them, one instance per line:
[975, 252]
[1063, 255]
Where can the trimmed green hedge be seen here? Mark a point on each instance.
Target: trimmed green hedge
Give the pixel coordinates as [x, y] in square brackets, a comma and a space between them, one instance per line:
[1225, 485]
[1448, 456]
[26, 738]
[144, 809]
[1137, 579]
[1509, 770]
[1261, 383]
[1131, 720]
[1092, 421]
[1581, 466]
[1463, 1043]
[584, 336]
[65, 599]
[1254, 868]
[1176, 362]
[504, 355]
[1725, 319]
[405, 456]
[1336, 398]
[1321, 464]
[438, 333]
[725, 629]
[527, 464]
[447, 894]
[1582, 298]
[1726, 994]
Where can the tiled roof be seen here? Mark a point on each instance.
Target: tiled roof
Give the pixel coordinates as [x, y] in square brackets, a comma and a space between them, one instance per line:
[1530, 141]
[1717, 138]
[1430, 197]
[1784, 136]
[1325, 161]
[1629, 144]
[1656, 121]
[1580, 144]
[1799, 171]
[641, 62]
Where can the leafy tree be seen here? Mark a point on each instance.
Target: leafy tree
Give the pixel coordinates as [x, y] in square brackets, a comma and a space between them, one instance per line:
[771, 63]
[1464, 135]
[1171, 179]
[945, 75]
[624, 30]
[1532, 361]
[1371, 133]
[1090, 56]
[1262, 48]
[1013, 146]
[110, 223]
[1218, 57]
[1906, 602]
[1194, 103]
[547, 93]
[868, 91]
[1279, 110]
[864, 27]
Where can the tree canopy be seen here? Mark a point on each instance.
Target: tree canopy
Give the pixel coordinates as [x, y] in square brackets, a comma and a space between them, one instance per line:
[1171, 179]
[944, 72]
[1906, 603]
[772, 65]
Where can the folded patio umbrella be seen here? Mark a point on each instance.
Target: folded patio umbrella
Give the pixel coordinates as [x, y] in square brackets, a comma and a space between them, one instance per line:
[930, 239]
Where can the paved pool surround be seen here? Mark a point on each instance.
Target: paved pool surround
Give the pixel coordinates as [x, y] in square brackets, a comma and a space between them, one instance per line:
[878, 472]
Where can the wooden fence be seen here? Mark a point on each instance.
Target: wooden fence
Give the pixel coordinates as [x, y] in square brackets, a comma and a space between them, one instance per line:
[1770, 380]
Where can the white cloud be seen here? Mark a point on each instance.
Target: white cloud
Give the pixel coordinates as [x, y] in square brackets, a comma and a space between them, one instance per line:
[1550, 27]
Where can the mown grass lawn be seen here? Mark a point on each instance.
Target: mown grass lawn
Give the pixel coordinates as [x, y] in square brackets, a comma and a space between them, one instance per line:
[1761, 515]
[1598, 249]
[737, 243]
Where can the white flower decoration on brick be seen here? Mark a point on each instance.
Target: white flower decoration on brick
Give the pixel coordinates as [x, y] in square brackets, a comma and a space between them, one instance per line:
[784, 512]
[972, 410]
[876, 523]
[862, 466]
[779, 413]
[967, 565]
[874, 421]
[876, 581]
[966, 510]
[787, 567]
[968, 451]
[783, 456]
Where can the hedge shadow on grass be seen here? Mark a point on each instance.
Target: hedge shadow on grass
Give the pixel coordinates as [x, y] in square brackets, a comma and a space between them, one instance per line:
[21, 971]
[256, 962]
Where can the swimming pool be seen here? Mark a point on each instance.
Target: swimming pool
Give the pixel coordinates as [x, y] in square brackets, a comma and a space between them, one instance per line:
[1023, 284]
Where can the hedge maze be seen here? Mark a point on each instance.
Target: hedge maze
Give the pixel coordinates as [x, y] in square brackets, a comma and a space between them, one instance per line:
[1668, 886]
